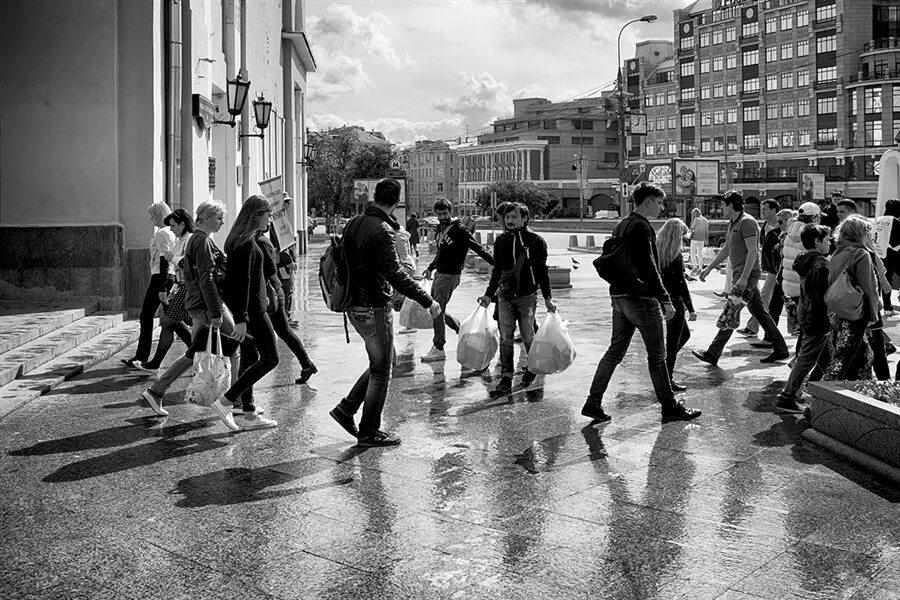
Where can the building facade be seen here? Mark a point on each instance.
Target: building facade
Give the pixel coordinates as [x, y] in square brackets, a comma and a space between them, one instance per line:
[775, 90]
[431, 174]
[116, 108]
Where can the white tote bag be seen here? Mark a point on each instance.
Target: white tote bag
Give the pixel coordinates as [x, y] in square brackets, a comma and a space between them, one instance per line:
[212, 373]
[552, 349]
[479, 340]
[413, 316]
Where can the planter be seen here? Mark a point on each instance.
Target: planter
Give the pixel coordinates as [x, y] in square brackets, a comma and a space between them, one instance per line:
[857, 427]
[559, 277]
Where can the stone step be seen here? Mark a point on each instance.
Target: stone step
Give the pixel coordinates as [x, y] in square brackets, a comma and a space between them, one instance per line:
[28, 357]
[20, 324]
[49, 375]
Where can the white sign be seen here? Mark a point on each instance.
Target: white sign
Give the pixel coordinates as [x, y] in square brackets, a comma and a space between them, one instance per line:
[882, 232]
[284, 231]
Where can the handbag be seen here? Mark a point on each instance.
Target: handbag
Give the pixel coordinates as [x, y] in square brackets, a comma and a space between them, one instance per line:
[174, 308]
[212, 373]
[731, 314]
[845, 299]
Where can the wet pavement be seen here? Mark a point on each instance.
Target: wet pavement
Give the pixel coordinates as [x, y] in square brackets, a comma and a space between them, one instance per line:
[513, 496]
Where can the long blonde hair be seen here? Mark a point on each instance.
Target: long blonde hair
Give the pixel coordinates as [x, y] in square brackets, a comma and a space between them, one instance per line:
[159, 210]
[246, 224]
[668, 241]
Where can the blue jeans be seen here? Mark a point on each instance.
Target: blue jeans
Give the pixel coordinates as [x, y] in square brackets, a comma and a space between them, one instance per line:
[757, 309]
[441, 290]
[813, 350]
[645, 315]
[375, 326]
[510, 312]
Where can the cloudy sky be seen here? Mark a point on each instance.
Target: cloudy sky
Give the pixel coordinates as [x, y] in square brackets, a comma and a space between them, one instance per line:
[419, 69]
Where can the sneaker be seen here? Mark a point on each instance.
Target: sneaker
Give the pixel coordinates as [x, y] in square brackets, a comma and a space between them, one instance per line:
[406, 330]
[705, 357]
[528, 377]
[679, 412]
[677, 387]
[145, 367]
[306, 373]
[344, 421]
[238, 411]
[762, 344]
[128, 362]
[434, 355]
[505, 385]
[720, 294]
[788, 406]
[775, 356]
[155, 402]
[888, 313]
[379, 438]
[293, 324]
[594, 411]
[254, 420]
[222, 407]
[748, 332]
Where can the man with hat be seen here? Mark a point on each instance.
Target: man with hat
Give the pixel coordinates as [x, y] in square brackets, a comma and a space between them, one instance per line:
[287, 263]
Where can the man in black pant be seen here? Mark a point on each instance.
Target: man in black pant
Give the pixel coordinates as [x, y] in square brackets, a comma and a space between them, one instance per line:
[287, 265]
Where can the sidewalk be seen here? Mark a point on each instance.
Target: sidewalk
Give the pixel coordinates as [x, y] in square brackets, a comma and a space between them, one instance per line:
[488, 496]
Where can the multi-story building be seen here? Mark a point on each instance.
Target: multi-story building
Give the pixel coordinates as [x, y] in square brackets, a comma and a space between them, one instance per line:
[431, 174]
[777, 88]
[123, 105]
[541, 143]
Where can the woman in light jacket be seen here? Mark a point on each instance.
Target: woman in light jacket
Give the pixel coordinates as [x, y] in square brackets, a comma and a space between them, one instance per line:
[852, 358]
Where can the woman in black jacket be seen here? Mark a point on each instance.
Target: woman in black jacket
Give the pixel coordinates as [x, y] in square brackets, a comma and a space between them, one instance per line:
[245, 294]
[671, 265]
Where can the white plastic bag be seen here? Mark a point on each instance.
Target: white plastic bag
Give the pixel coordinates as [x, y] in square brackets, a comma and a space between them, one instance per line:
[552, 350]
[413, 316]
[212, 373]
[479, 340]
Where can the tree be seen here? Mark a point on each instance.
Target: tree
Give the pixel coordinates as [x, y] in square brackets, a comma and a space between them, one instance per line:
[529, 194]
[342, 158]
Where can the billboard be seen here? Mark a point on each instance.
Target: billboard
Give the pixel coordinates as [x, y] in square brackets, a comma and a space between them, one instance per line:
[691, 178]
[811, 187]
[364, 190]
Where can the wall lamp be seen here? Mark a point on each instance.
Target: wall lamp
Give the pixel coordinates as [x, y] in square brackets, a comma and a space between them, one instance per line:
[310, 152]
[237, 90]
[262, 110]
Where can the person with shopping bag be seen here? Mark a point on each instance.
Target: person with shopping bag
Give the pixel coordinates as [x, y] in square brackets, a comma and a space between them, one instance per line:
[520, 269]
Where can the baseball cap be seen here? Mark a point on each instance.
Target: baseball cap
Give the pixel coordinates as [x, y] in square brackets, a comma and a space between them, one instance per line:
[809, 209]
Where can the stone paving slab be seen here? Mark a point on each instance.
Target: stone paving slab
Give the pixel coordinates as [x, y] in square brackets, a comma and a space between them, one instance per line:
[65, 366]
[21, 323]
[25, 358]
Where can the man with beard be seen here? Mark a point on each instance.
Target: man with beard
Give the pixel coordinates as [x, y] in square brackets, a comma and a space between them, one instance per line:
[453, 243]
[520, 269]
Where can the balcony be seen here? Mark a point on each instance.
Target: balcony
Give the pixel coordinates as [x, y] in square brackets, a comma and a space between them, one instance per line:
[875, 76]
[750, 149]
[749, 94]
[819, 25]
[882, 44]
[687, 102]
[827, 83]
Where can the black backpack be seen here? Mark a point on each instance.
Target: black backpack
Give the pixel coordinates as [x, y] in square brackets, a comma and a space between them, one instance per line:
[334, 276]
[614, 266]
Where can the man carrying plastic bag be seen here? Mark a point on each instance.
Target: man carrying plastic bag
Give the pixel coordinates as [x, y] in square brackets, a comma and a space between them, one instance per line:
[552, 350]
[520, 268]
[478, 340]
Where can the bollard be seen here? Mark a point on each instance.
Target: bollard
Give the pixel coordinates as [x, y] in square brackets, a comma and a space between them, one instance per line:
[590, 242]
[490, 239]
[573, 241]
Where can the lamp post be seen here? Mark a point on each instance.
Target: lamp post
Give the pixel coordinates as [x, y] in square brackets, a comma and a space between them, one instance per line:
[620, 80]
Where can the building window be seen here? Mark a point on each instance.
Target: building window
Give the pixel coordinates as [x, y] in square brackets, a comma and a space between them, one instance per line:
[802, 108]
[671, 122]
[772, 25]
[705, 145]
[803, 78]
[649, 150]
[718, 144]
[732, 142]
[771, 53]
[551, 139]
[719, 90]
[718, 63]
[717, 36]
[673, 147]
[687, 119]
[873, 133]
[730, 34]
[826, 43]
[787, 80]
[853, 134]
[718, 117]
[705, 118]
[732, 115]
[660, 98]
[771, 112]
[827, 12]
[687, 43]
[550, 124]
[873, 100]
[827, 136]
[751, 85]
[751, 140]
[787, 21]
[440, 187]
[750, 57]
[731, 61]
[586, 141]
[803, 137]
[787, 139]
[854, 97]
[748, 29]
[787, 110]
[787, 51]
[880, 67]
[826, 106]
[661, 148]
[704, 65]
[687, 69]
[704, 92]
[670, 97]
[802, 20]
[824, 74]
[751, 113]
[771, 83]
[731, 88]
[772, 140]
[660, 123]
[688, 94]
[704, 39]
[582, 124]
[688, 147]
[648, 100]
[803, 48]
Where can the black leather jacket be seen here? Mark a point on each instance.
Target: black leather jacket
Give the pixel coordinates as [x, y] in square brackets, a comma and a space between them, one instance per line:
[371, 251]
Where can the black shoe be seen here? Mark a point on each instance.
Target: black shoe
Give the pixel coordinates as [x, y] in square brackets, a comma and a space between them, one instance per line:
[776, 356]
[344, 421]
[379, 438]
[128, 362]
[505, 385]
[595, 412]
[747, 332]
[705, 357]
[679, 412]
[788, 406]
[293, 324]
[720, 294]
[762, 344]
[306, 373]
[528, 377]
[677, 387]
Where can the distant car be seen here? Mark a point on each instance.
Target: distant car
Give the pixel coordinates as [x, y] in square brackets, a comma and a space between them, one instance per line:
[432, 221]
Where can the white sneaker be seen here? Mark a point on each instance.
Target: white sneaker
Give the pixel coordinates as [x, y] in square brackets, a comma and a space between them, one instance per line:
[142, 366]
[406, 330]
[434, 355]
[239, 411]
[155, 403]
[252, 421]
[222, 408]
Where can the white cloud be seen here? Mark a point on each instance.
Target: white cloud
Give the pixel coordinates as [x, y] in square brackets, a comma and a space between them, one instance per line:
[483, 99]
[338, 75]
[343, 27]
[396, 130]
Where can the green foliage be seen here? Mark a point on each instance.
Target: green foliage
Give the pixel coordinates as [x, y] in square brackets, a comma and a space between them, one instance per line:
[341, 159]
[529, 194]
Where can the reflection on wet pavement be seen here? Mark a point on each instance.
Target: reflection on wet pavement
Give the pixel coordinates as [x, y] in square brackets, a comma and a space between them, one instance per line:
[489, 496]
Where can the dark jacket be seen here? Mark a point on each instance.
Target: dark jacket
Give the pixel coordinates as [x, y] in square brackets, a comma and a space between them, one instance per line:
[285, 257]
[508, 248]
[270, 266]
[370, 249]
[676, 285]
[770, 250]
[639, 241]
[412, 227]
[812, 313]
[452, 247]
[201, 292]
[245, 281]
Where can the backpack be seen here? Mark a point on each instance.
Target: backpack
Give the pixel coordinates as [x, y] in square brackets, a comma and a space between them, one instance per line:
[334, 277]
[614, 267]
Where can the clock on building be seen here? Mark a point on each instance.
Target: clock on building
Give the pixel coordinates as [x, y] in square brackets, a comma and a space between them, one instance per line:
[638, 124]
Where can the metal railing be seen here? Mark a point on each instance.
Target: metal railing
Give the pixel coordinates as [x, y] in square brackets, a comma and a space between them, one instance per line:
[876, 75]
[882, 44]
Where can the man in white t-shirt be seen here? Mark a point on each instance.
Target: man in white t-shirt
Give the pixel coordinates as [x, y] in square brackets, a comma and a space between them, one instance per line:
[699, 237]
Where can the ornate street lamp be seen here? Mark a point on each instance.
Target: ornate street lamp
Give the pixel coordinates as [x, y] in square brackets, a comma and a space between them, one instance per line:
[237, 90]
[262, 111]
